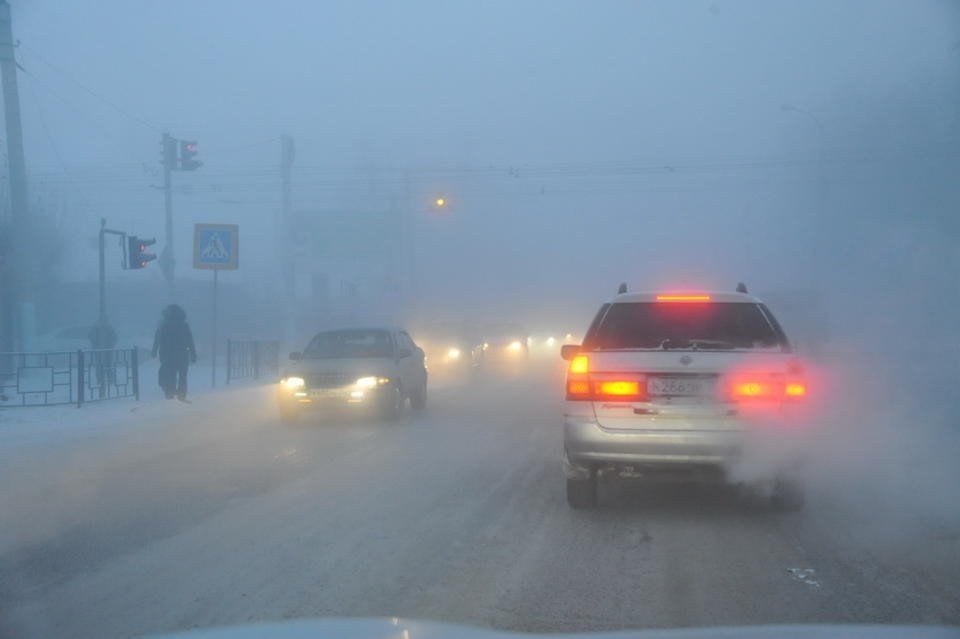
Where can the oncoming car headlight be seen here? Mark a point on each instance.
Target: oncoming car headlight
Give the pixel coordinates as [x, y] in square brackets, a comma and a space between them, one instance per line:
[515, 345]
[372, 382]
[453, 353]
[293, 383]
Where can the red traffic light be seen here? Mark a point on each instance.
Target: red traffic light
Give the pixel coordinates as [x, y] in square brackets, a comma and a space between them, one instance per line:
[137, 257]
[189, 149]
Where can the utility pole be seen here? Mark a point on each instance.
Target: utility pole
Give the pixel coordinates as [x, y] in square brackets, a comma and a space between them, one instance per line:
[104, 336]
[102, 321]
[411, 250]
[17, 303]
[167, 260]
[285, 235]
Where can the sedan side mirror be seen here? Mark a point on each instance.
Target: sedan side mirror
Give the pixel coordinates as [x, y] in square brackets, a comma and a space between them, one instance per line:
[569, 351]
[296, 355]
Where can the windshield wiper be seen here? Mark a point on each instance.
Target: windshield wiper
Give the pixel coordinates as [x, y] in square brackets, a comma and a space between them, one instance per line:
[670, 343]
[696, 344]
[712, 344]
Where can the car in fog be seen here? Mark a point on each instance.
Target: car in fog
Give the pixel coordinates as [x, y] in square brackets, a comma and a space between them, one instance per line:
[452, 346]
[505, 341]
[375, 368]
[678, 383]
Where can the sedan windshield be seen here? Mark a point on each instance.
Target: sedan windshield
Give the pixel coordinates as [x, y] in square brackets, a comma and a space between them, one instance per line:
[354, 343]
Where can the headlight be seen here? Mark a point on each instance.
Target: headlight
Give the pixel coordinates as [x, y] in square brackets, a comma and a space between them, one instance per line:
[367, 382]
[551, 341]
[372, 382]
[453, 353]
[515, 345]
[294, 382]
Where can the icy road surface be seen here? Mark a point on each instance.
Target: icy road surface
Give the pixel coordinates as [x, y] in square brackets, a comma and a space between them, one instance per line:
[163, 516]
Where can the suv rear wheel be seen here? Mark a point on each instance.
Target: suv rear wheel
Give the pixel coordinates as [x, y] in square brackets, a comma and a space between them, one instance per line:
[582, 493]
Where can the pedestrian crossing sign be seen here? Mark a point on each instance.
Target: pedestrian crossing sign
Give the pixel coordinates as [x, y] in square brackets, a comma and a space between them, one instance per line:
[216, 246]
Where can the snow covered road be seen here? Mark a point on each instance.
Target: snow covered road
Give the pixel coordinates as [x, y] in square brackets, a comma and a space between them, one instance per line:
[172, 516]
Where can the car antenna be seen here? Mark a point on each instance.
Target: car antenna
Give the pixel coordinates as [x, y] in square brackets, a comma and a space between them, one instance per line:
[741, 287]
[622, 289]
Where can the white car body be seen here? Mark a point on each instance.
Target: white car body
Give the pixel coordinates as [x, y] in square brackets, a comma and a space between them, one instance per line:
[680, 409]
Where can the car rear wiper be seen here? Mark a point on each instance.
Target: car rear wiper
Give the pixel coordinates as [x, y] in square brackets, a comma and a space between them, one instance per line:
[711, 344]
[670, 343]
[696, 344]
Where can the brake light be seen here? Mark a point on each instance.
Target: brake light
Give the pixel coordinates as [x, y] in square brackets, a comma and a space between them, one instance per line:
[766, 387]
[618, 388]
[795, 389]
[753, 389]
[606, 386]
[682, 298]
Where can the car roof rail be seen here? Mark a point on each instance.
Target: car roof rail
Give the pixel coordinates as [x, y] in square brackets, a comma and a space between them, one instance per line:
[622, 289]
[741, 287]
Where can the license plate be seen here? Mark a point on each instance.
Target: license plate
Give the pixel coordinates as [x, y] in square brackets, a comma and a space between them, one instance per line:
[680, 386]
[325, 392]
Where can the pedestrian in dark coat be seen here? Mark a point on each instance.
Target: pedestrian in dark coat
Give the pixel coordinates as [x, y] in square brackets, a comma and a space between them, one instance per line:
[173, 343]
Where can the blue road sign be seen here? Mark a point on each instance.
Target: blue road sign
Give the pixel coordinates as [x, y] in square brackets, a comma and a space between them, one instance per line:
[216, 246]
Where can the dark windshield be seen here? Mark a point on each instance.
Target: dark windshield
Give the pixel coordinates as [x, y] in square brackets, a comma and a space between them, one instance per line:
[711, 326]
[354, 343]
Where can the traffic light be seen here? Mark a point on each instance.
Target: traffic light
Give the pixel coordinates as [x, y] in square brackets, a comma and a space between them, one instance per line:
[189, 149]
[137, 256]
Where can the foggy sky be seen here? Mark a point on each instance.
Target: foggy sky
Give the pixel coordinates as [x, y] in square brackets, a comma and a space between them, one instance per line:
[368, 87]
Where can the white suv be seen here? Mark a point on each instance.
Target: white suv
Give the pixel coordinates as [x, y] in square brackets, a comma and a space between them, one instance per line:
[679, 382]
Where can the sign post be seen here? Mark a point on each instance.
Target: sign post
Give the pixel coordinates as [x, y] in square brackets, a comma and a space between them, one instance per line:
[216, 247]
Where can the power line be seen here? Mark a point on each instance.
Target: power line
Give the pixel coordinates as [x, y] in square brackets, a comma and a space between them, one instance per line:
[90, 91]
[84, 114]
[53, 144]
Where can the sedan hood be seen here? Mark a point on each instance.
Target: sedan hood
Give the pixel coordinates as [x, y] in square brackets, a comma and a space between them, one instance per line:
[406, 629]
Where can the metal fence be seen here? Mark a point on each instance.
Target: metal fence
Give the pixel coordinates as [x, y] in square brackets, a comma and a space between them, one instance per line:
[252, 359]
[68, 377]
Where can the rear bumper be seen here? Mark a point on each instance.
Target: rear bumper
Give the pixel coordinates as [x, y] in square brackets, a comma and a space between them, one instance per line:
[587, 445]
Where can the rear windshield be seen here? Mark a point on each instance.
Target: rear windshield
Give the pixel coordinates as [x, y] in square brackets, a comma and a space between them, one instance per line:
[710, 326]
[354, 343]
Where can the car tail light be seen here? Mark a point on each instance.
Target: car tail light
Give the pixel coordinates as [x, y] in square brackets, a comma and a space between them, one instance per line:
[618, 388]
[770, 387]
[683, 297]
[578, 389]
[579, 364]
[795, 389]
[606, 386]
